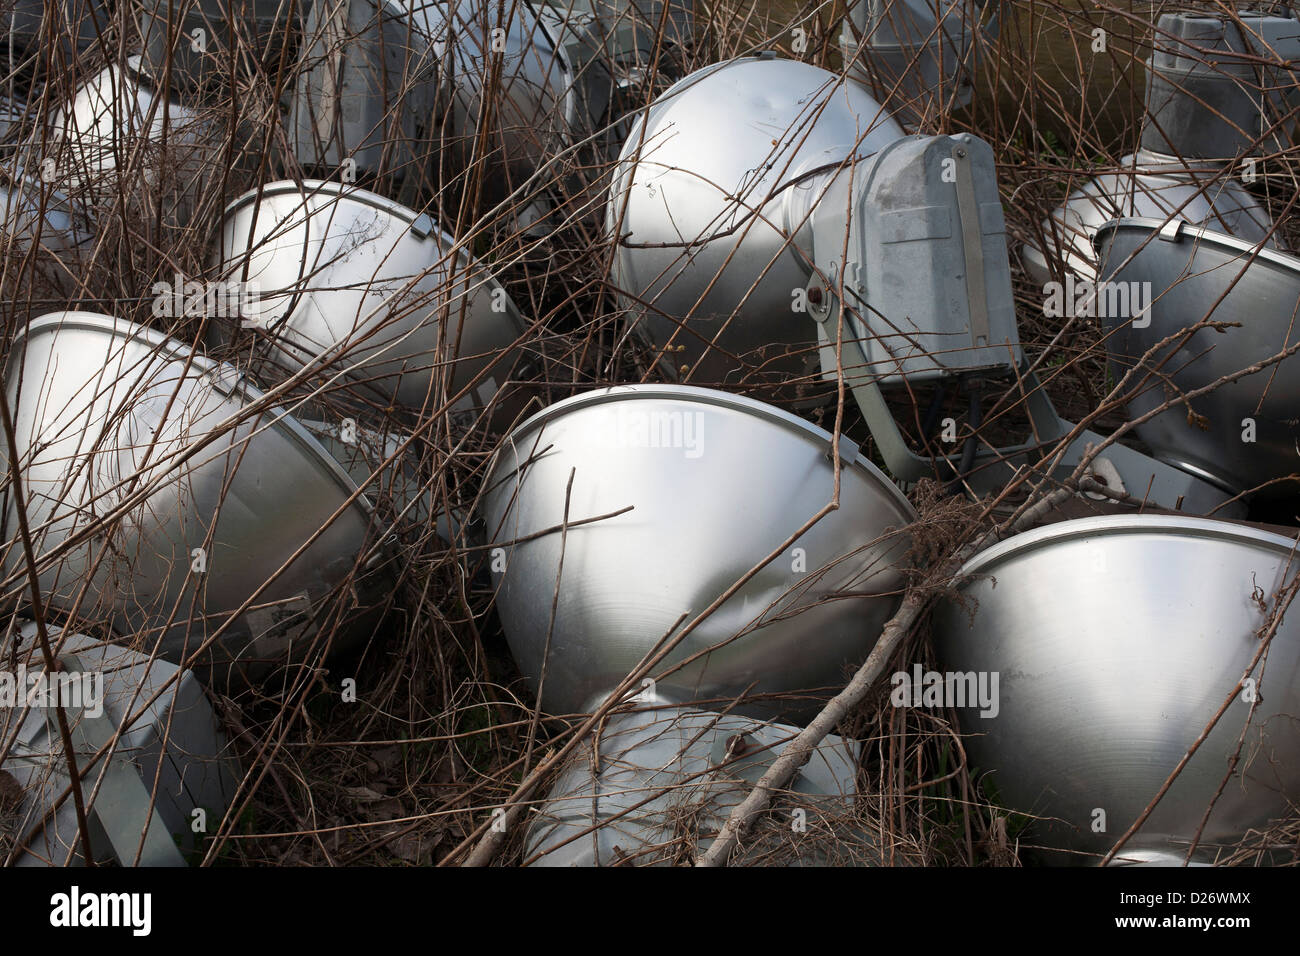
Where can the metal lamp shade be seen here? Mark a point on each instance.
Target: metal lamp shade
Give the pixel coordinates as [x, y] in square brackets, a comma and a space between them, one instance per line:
[120, 134]
[367, 91]
[1150, 186]
[103, 409]
[710, 202]
[385, 294]
[715, 482]
[661, 782]
[514, 104]
[1116, 640]
[1243, 434]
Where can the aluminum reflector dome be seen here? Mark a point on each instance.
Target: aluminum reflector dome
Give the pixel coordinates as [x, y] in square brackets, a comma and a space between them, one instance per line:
[138, 494]
[709, 203]
[1100, 698]
[1150, 186]
[659, 784]
[394, 301]
[1244, 433]
[120, 135]
[715, 483]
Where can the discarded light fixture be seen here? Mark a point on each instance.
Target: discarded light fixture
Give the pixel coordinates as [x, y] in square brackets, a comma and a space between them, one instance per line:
[366, 97]
[916, 56]
[729, 243]
[562, 76]
[1243, 435]
[1210, 101]
[1220, 87]
[365, 285]
[187, 45]
[193, 515]
[513, 106]
[33, 215]
[119, 126]
[1146, 185]
[169, 777]
[672, 454]
[709, 204]
[660, 783]
[615, 49]
[1100, 700]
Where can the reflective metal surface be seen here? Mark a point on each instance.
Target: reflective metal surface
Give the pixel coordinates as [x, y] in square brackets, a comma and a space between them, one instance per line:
[660, 785]
[1244, 433]
[367, 89]
[716, 483]
[391, 299]
[504, 67]
[1116, 640]
[119, 135]
[169, 741]
[710, 199]
[102, 410]
[1146, 185]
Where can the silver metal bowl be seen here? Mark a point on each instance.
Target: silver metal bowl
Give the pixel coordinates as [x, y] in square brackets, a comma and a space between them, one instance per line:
[1242, 434]
[391, 299]
[716, 482]
[104, 411]
[120, 135]
[660, 782]
[1146, 185]
[710, 202]
[367, 91]
[505, 66]
[1116, 639]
